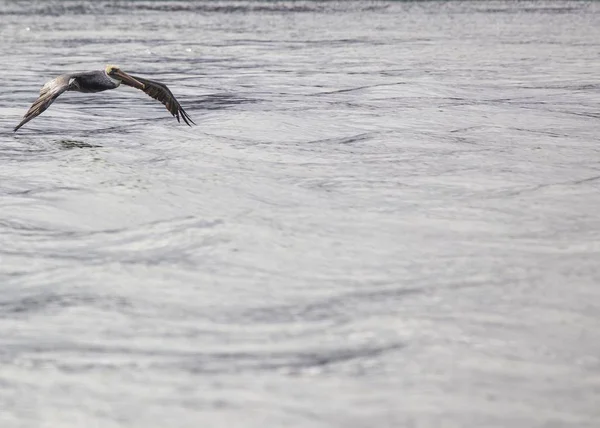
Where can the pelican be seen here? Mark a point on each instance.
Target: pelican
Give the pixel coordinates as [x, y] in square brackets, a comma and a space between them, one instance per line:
[97, 81]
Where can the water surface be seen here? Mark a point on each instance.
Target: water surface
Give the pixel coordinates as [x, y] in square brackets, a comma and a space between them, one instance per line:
[388, 215]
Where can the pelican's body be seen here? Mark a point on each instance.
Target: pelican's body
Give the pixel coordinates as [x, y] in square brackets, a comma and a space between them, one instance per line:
[93, 81]
[98, 81]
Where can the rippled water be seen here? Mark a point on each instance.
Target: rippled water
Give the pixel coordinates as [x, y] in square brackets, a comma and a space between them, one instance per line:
[388, 215]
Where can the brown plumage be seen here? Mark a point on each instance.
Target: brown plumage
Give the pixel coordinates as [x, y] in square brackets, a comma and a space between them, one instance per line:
[160, 92]
[49, 92]
[97, 81]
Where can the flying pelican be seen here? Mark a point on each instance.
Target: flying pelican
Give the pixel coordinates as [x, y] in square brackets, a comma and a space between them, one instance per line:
[97, 81]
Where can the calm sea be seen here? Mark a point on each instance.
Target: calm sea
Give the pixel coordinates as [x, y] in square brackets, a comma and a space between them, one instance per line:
[387, 215]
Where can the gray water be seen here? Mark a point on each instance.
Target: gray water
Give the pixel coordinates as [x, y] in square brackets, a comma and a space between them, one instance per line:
[387, 215]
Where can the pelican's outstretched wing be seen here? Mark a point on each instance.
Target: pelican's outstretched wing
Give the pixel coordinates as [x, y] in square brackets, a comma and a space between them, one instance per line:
[160, 92]
[49, 92]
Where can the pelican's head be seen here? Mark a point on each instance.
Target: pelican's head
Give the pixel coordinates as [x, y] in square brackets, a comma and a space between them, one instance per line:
[115, 72]
[111, 69]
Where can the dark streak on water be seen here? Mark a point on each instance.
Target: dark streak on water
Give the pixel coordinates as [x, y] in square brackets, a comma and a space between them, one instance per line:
[388, 215]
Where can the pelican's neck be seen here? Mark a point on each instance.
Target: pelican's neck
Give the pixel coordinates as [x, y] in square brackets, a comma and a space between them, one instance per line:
[116, 82]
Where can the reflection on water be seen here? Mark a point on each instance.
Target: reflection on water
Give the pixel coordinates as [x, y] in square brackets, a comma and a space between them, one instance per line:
[387, 214]
[74, 144]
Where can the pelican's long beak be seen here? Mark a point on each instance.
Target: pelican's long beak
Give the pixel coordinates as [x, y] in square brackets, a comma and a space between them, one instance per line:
[129, 80]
